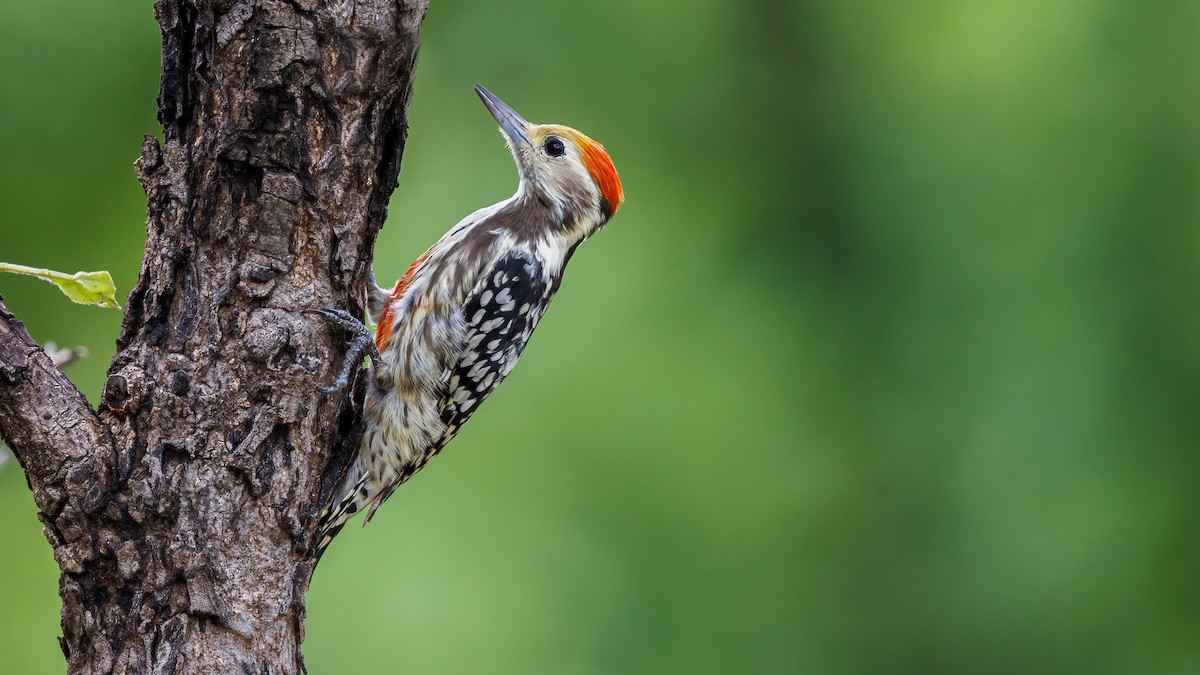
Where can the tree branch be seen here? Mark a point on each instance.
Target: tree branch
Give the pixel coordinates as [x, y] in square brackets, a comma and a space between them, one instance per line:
[49, 424]
[181, 514]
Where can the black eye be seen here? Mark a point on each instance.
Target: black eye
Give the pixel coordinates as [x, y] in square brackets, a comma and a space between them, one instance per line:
[554, 147]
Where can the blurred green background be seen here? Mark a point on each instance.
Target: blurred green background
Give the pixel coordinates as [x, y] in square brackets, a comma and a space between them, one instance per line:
[889, 364]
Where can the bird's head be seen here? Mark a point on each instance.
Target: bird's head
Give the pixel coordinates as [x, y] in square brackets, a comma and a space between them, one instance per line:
[559, 166]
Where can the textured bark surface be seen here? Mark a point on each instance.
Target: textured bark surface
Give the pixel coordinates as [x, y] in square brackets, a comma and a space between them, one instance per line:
[181, 512]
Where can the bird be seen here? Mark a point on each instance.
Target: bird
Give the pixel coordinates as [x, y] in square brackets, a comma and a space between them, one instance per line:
[455, 323]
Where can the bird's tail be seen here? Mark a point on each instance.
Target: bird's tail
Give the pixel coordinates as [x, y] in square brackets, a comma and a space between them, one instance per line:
[334, 517]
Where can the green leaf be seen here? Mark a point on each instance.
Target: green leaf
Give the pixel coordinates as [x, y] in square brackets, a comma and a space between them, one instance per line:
[86, 288]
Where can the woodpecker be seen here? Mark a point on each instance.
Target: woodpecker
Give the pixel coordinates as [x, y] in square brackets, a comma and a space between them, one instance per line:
[456, 322]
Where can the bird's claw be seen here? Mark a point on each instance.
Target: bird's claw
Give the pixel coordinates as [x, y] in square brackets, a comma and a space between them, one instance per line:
[363, 343]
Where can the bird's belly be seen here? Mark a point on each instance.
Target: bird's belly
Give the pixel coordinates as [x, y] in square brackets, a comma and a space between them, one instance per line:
[400, 434]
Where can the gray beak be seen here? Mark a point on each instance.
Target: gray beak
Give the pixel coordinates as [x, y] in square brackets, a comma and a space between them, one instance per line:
[512, 124]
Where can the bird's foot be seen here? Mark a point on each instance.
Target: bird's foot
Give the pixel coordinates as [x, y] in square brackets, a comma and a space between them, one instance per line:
[363, 343]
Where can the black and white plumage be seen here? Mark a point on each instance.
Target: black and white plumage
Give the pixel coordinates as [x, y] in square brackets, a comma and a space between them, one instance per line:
[456, 323]
[501, 315]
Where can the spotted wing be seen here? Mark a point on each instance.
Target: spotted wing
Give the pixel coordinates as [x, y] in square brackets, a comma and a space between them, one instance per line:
[500, 314]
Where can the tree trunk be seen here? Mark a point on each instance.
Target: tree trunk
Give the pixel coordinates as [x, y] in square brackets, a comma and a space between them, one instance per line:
[181, 513]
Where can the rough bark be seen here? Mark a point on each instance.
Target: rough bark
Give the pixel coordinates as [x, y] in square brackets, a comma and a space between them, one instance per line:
[181, 513]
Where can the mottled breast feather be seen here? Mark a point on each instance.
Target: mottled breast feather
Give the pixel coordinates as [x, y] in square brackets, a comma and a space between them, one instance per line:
[500, 313]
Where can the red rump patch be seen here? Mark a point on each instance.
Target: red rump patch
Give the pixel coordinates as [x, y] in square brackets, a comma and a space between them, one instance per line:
[600, 165]
[384, 329]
